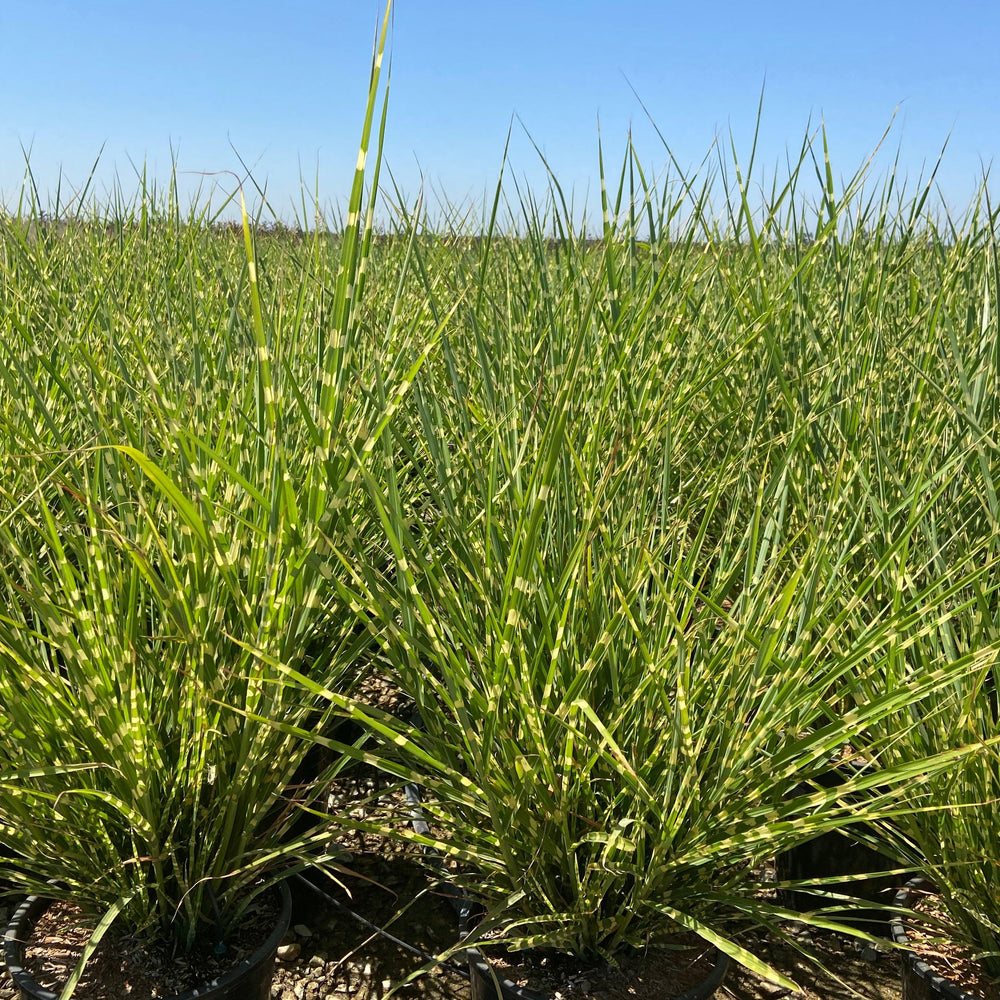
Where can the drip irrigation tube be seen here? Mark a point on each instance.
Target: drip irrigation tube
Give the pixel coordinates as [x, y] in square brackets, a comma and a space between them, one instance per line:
[381, 931]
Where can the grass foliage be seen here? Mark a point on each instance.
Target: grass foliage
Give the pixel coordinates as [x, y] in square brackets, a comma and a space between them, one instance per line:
[677, 521]
[651, 527]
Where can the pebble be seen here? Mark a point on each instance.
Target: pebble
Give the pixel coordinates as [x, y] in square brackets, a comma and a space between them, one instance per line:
[317, 962]
[289, 952]
[302, 930]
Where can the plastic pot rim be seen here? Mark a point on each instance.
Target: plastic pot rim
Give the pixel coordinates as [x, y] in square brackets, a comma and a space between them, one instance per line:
[27, 913]
[479, 965]
[935, 980]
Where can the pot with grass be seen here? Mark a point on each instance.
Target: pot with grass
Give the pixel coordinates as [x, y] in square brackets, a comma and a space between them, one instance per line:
[617, 677]
[695, 973]
[246, 974]
[704, 968]
[167, 553]
[144, 797]
[144, 793]
[948, 920]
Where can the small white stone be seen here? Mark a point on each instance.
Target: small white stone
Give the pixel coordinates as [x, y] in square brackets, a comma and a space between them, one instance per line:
[302, 930]
[289, 952]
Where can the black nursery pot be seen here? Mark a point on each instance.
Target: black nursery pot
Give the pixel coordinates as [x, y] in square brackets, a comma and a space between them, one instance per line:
[838, 853]
[487, 985]
[250, 980]
[920, 981]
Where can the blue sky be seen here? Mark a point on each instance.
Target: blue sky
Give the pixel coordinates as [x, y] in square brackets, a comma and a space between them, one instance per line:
[285, 83]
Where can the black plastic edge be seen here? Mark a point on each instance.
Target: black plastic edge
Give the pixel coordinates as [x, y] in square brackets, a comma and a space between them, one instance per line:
[920, 968]
[34, 906]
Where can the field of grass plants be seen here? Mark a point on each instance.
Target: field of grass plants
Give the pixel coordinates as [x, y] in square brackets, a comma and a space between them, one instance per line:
[654, 524]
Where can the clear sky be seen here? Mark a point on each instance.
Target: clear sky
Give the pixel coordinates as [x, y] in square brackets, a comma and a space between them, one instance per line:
[285, 83]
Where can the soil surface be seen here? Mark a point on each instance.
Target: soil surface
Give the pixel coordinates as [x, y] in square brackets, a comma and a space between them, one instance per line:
[329, 955]
[122, 968]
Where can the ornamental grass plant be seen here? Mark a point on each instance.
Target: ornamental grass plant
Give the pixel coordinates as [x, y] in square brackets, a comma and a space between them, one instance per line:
[953, 827]
[940, 437]
[656, 554]
[183, 432]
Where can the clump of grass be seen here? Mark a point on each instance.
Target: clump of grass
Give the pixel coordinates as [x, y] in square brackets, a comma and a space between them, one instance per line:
[655, 557]
[184, 430]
